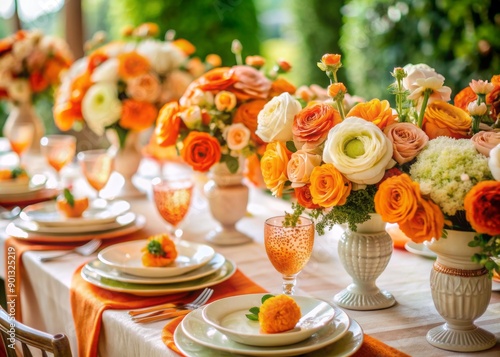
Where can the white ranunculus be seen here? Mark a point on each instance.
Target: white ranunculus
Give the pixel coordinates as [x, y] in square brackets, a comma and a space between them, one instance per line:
[101, 106]
[275, 120]
[164, 57]
[300, 166]
[106, 71]
[359, 150]
[19, 90]
[494, 162]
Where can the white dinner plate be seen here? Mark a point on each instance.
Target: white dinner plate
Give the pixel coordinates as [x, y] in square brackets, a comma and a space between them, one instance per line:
[224, 273]
[16, 232]
[16, 187]
[419, 249]
[198, 338]
[127, 257]
[228, 315]
[120, 222]
[100, 211]
[106, 271]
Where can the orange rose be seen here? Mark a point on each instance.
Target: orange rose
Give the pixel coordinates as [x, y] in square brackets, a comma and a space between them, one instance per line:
[216, 79]
[336, 89]
[304, 197]
[283, 65]
[482, 207]
[201, 151]
[185, 46]
[253, 172]
[444, 119]
[255, 61]
[427, 223]
[330, 59]
[247, 114]
[95, 59]
[213, 59]
[168, 124]
[376, 111]
[66, 114]
[397, 198]
[281, 85]
[132, 64]
[273, 165]
[493, 98]
[38, 82]
[328, 186]
[312, 123]
[53, 69]
[137, 115]
[464, 97]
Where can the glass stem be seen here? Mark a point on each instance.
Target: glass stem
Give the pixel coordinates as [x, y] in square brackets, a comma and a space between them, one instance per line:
[289, 284]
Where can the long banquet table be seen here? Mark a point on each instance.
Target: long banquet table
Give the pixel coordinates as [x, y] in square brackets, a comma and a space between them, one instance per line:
[46, 287]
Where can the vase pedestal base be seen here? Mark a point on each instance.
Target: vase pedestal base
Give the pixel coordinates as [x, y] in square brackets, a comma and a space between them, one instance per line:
[351, 298]
[227, 236]
[468, 340]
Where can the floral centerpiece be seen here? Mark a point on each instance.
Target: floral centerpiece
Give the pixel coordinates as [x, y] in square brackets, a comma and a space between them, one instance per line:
[122, 84]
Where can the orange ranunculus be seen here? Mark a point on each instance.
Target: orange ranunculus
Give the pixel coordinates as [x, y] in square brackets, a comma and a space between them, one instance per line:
[201, 151]
[95, 59]
[397, 198]
[426, 223]
[213, 59]
[281, 85]
[493, 98]
[66, 114]
[482, 207]
[328, 186]
[185, 46]
[376, 111]
[444, 119]
[304, 197]
[247, 114]
[137, 115]
[6, 45]
[330, 59]
[38, 82]
[53, 69]
[132, 64]
[79, 87]
[273, 165]
[464, 97]
[312, 123]
[168, 124]
[216, 79]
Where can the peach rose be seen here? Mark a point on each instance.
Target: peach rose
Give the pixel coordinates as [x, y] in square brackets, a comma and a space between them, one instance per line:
[481, 87]
[273, 165]
[407, 141]
[132, 64]
[397, 198]
[426, 223]
[174, 86]
[328, 186]
[444, 119]
[225, 101]
[304, 93]
[201, 151]
[250, 83]
[214, 80]
[312, 123]
[300, 166]
[304, 197]
[484, 141]
[378, 112]
[168, 124]
[137, 115]
[237, 136]
[464, 97]
[247, 114]
[482, 207]
[145, 88]
[281, 85]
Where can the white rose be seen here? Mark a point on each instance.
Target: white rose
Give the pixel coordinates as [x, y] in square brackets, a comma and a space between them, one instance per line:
[359, 150]
[200, 98]
[106, 71]
[275, 120]
[421, 77]
[237, 136]
[164, 57]
[101, 106]
[494, 162]
[300, 166]
[19, 90]
[191, 117]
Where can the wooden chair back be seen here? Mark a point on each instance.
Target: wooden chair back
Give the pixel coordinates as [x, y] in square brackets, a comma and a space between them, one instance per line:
[13, 331]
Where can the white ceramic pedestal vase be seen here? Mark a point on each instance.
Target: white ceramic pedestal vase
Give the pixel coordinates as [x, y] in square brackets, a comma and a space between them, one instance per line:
[25, 113]
[127, 160]
[365, 254]
[461, 292]
[227, 198]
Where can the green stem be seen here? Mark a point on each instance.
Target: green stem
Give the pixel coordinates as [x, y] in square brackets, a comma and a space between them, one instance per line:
[476, 120]
[427, 94]
[399, 99]
[239, 59]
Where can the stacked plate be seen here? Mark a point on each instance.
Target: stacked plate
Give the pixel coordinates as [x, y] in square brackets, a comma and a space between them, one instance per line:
[119, 268]
[16, 190]
[222, 329]
[103, 219]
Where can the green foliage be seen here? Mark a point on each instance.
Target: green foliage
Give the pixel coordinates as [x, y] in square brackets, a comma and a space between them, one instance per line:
[154, 247]
[211, 25]
[68, 196]
[254, 311]
[490, 248]
[458, 38]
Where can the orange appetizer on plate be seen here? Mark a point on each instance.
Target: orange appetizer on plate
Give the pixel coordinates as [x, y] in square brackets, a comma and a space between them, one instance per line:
[17, 174]
[159, 252]
[70, 206]
[278, 313]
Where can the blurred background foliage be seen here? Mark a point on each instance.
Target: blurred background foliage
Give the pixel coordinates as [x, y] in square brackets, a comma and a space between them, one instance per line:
[459, 38]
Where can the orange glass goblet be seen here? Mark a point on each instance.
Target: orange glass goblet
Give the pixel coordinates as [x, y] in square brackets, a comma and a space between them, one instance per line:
[172, 198]
[20, 138]
[59, 150]
[97, 166]
[289, 248]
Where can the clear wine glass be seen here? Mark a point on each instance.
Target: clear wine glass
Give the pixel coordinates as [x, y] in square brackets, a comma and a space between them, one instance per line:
[172, 197]
[289, 248]
[97, 166]
[59, 150]
[20, 138]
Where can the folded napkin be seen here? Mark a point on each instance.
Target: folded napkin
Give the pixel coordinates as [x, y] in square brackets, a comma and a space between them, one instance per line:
[398, 237]
[88, 302]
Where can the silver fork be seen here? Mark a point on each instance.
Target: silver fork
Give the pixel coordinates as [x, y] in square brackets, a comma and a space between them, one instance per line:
[84, 250]
[168, 311]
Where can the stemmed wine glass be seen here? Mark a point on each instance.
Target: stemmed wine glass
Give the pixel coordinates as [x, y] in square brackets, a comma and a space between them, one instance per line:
[59, 150]
[172, 198]
[289, 247]
[20, 138]
[97, 166]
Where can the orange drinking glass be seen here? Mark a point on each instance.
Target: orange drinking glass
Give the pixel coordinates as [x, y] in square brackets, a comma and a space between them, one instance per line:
[59, 150]
[97, 166]
[20, 138]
